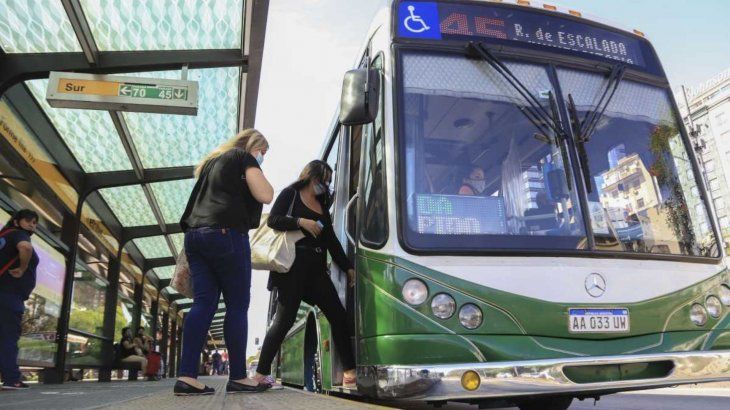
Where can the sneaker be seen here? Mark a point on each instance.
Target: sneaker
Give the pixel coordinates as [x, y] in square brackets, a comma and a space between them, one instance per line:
[184, 389]
[15, 386]
[234, 387]
[270, 380]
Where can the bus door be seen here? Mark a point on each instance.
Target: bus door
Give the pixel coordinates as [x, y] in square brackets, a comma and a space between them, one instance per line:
[359, 206]
[344, 158]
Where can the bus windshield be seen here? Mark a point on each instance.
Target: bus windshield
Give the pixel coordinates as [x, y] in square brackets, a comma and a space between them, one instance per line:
[482, 173]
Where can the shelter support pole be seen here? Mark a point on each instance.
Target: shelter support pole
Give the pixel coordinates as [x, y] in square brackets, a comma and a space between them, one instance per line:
[110, 316]
[179, 344]
[165, 343]
[70, 230]
[173, 348]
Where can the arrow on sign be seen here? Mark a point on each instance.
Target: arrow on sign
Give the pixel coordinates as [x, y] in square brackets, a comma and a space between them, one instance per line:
[179, 94]
[124, 90]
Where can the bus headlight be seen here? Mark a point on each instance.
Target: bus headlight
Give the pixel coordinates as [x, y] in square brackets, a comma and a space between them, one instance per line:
[713, 305]
[698, 314]
[415, 292]
[470, 316]
[725, 295]
[443, 306]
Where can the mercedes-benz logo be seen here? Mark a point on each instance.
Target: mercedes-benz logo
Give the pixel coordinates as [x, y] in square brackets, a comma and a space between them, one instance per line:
[595, 285]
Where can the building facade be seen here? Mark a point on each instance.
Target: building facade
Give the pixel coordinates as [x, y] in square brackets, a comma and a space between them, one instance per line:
[708, 121]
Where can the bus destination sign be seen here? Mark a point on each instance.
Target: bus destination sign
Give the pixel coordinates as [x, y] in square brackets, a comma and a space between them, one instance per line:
[450, 21]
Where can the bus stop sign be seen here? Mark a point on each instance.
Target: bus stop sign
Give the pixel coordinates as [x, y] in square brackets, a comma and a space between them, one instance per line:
[119, 93]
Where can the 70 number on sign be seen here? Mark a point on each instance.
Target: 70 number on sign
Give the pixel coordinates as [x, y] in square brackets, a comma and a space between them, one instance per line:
[162, 93]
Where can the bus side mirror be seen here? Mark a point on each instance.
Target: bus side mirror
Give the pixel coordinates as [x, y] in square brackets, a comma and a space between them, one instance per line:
[360, 99]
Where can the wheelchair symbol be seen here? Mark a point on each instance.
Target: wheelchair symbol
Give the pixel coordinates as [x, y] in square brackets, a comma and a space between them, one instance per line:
[412, 19]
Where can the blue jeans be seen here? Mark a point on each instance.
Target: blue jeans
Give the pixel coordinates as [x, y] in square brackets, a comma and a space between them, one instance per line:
[220, 261]
[11, 315]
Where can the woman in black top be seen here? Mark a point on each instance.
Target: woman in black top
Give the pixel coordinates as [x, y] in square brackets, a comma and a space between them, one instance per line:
[307, 280]
[130, 352]
[225, 203]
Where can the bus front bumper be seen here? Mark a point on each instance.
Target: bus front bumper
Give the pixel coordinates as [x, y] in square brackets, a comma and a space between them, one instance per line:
[544, 377]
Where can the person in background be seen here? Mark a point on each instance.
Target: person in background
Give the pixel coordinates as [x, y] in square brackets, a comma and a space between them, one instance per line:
[307, 279]
[143, 341]
[225, 204]
[130, 352]
[474, 184]
[216, 365]
[18, 263]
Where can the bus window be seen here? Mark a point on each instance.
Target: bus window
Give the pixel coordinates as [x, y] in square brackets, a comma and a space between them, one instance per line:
[642, 181]
[479, 173]
[374, 218]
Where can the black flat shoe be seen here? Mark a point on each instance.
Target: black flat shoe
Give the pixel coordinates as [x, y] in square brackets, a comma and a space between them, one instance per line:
[233, 387]
[184, 389]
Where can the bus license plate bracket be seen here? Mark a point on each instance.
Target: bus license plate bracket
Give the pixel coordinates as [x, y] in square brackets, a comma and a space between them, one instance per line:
[606, 320]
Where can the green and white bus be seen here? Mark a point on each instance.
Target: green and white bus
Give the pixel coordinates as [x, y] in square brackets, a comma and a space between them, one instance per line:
[526, 214]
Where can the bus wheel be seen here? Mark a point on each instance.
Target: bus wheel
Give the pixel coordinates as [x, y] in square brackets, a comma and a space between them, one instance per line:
[312, 376]
[547, 403]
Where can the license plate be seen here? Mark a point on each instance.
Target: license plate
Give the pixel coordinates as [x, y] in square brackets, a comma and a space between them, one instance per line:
[598, 320]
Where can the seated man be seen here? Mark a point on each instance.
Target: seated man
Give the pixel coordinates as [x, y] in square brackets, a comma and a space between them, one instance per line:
[543, 217]
[474, 184]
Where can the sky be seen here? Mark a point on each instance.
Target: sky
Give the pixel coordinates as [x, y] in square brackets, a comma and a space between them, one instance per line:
[311, 43]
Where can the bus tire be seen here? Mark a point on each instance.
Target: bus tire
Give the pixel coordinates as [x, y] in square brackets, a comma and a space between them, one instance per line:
[312, 374]
[547, 403]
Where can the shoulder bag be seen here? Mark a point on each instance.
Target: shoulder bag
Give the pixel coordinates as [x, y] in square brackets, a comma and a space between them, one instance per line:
[181, 279]
[274, 250]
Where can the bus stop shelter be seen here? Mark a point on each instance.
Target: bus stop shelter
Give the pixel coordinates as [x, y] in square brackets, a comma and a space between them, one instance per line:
[110, 186]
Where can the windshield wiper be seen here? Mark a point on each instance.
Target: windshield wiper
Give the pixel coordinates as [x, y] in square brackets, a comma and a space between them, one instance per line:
[535, 112]
[590, 121]
[584, 129]
[580, 143]
[562, 136]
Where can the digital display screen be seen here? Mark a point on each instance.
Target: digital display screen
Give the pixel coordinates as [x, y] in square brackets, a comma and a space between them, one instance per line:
[460, 215]
[449, 21]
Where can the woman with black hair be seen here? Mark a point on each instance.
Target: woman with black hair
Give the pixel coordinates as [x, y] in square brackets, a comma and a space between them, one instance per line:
[18, 263]
[130, 351]
[307, 280]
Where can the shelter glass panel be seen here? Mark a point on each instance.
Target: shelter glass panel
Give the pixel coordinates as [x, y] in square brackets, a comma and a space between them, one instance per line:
[40, 321]
[166, 140]
[172, 197]
[87, 307]
[121, 25]
[129, 204]
[89, 134]
[35, 27]
[178, 240]
[123, 319]
[164, 272]
[153, 247]
[83, 350]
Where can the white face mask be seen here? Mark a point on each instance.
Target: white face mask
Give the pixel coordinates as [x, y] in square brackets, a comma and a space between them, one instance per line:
[478, 184]
[260, 158]
[319, 189]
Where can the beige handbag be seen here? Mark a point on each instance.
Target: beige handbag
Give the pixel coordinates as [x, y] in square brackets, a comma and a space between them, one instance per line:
[274, 250]
[181, 279]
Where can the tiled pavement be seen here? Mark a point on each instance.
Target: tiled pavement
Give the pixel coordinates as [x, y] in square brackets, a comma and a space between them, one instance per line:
[158, 396]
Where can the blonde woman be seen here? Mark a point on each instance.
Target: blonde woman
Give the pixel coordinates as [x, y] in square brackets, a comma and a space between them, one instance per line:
[225, 204]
